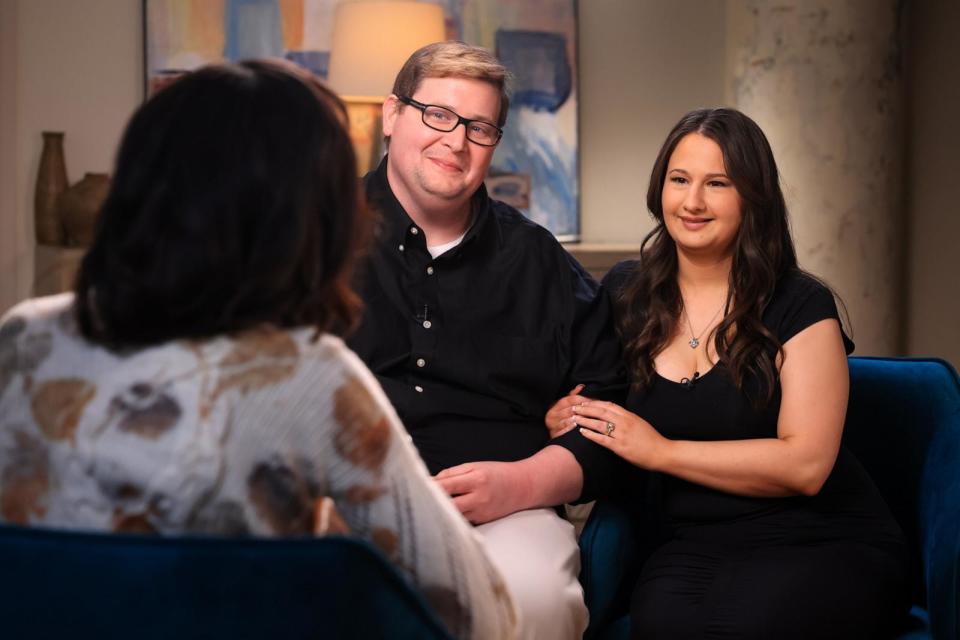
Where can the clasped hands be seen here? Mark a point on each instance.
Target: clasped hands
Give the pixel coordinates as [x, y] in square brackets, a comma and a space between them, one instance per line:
[610, 426]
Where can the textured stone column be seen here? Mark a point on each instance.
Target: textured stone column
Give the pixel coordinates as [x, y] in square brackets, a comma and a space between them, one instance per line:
[823, 80]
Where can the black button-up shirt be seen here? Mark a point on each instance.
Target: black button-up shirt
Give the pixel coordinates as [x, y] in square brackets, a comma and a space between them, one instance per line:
[474, 346]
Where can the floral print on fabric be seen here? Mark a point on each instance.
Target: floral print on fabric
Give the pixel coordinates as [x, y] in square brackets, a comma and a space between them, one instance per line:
[259, 358]
[24, 479]
[58, 404]
[362, 493]
[147, 411]
[365, 435]
[20, 353]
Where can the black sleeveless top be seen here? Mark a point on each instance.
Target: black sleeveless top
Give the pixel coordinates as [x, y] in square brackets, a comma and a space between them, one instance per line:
[848, 507]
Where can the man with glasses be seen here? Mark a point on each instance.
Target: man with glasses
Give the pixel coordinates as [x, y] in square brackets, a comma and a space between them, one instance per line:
[476, 322]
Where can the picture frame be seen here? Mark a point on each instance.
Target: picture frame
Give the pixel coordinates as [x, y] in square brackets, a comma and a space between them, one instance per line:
[536, 163]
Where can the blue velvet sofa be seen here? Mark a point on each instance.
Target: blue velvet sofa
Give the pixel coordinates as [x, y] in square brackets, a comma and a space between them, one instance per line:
[76, 585]
[903, 423]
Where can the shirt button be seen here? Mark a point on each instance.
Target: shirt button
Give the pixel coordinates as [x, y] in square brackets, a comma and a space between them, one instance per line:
[418, 389]
[427, 324]
[414, 230]
[429, 271]
[421, 362]
[400, 247]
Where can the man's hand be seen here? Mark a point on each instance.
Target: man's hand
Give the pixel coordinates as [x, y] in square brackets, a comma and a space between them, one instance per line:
[560, 417]
[485, 491]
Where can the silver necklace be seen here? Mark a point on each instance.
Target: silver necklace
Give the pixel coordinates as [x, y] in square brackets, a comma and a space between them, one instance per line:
[695, 339]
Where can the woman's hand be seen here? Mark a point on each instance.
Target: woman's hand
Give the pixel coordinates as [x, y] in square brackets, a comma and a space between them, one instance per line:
[625, 433]
[559, 418]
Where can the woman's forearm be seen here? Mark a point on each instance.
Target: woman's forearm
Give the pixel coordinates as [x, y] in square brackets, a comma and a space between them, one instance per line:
[767, 467]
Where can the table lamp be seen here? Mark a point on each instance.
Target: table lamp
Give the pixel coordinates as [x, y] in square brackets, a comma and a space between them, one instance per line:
[371, 40]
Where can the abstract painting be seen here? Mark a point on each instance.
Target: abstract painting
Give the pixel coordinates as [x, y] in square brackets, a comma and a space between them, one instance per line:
[535, 167]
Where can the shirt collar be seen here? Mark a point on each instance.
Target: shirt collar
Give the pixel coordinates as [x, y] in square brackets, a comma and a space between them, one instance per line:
[394, 224]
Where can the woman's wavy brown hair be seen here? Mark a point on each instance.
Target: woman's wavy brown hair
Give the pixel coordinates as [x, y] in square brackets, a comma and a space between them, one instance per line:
[235, 203]
[649, 306]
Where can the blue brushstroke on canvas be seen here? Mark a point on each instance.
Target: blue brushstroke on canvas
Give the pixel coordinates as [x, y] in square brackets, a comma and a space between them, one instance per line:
[252, 29]
[318, 62]
[538, 60]
[530, 145]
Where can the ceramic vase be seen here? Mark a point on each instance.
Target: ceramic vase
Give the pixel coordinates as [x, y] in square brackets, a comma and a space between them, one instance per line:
[80, 205]
[51, 183]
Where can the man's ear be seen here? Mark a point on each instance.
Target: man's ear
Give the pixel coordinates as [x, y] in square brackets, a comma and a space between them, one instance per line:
[391, 111]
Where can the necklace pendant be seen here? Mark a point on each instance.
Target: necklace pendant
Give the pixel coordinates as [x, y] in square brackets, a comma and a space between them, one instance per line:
[694, 343]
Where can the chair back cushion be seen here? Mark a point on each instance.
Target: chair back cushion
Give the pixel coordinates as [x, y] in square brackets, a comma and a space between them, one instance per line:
[903, 425]
[64, 584]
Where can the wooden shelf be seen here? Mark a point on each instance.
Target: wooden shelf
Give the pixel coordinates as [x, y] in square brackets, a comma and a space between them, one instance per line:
[598, 257]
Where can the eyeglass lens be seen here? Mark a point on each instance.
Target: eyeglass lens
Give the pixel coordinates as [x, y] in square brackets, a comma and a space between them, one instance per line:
[443, 119]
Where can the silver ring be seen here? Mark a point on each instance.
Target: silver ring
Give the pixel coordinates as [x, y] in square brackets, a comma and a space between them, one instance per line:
[610, 428]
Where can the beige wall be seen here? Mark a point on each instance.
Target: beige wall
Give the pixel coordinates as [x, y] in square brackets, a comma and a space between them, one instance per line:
[13, 246]
[79, 70]
[822, 79]
[933, 205]
[637, 78]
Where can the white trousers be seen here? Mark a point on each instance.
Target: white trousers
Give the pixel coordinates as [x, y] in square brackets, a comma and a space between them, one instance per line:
[536, 552]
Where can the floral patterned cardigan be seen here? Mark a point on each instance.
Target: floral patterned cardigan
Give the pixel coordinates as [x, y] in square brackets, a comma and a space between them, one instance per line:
[265, 433]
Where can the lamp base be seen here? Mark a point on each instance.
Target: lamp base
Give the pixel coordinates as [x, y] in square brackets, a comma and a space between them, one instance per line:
[365, 130]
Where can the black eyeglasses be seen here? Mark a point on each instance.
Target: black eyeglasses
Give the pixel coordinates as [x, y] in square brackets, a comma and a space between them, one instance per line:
[442, 119]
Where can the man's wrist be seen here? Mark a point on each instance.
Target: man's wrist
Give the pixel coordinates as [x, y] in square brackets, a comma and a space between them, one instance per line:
[523, 484]
[554, 477]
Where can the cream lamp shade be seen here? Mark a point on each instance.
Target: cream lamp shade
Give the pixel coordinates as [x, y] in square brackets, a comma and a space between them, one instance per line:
[371, 41]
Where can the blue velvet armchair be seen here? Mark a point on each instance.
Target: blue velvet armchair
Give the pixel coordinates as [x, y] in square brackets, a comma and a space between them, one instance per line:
[903, 423]
[75, 585]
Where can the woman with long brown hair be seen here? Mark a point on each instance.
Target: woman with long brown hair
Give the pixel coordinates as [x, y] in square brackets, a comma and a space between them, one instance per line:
[740, 384]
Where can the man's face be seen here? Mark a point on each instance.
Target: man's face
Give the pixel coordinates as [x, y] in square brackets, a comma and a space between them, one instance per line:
[430, 169]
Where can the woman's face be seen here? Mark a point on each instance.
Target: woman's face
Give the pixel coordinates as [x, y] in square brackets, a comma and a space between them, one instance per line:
[701, 207]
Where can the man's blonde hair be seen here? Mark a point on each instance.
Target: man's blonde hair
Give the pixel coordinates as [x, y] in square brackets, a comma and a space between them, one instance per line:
[453, 59]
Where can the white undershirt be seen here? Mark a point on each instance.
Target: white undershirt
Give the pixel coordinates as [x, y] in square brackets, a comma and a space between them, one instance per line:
[441, 249]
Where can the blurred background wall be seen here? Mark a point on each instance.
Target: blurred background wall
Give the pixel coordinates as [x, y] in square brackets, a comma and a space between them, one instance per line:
[858, 98]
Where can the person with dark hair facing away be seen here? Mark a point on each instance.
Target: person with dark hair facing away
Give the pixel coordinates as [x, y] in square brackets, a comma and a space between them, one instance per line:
[476, 321]
[194, 381]
[739, 393]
